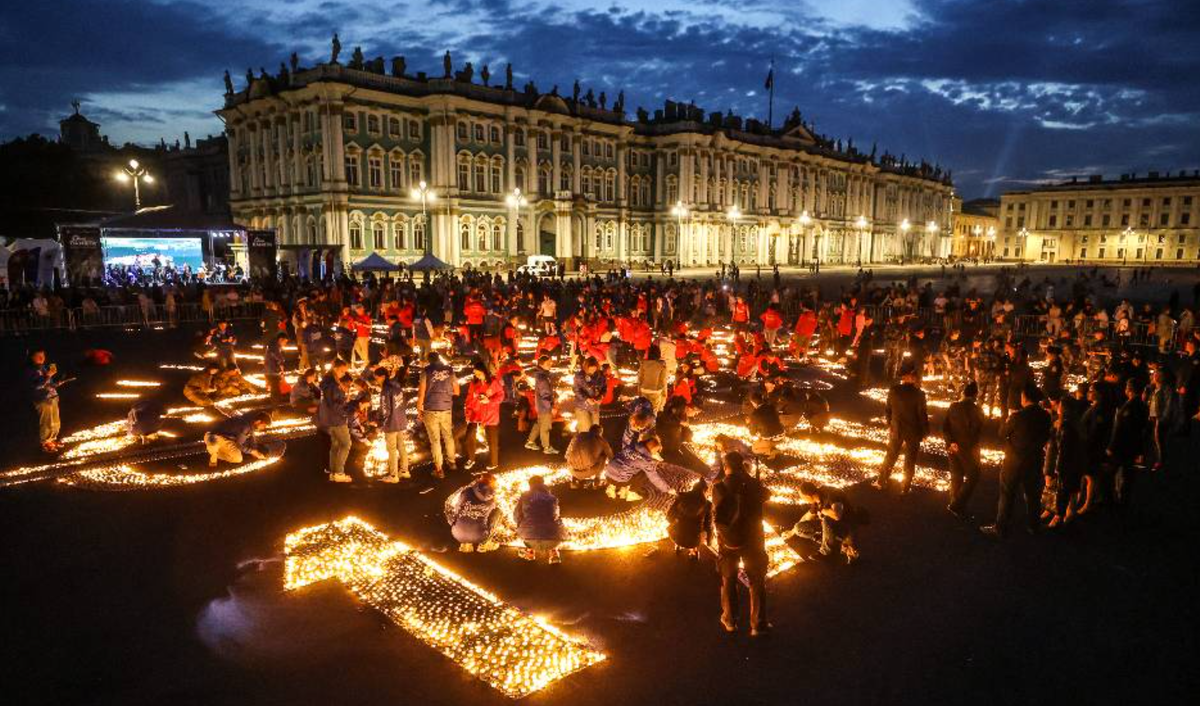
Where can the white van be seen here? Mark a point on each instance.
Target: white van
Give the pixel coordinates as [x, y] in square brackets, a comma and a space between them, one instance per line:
[539, 266]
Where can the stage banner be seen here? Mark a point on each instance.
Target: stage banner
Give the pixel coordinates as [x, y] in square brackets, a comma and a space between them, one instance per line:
[261, 246]
[83, 253]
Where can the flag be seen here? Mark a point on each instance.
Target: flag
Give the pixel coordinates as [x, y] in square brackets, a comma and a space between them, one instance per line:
[770, 83]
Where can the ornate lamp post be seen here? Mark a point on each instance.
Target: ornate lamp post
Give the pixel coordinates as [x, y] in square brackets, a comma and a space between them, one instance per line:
[137, 173]
[680, 212]
[805, 222]
[515, 201]
[425, 195]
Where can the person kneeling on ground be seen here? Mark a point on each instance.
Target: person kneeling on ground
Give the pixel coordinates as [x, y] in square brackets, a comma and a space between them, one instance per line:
[201, 387]
[234, 437]
[831, 521]
[690, 517]
[538, 522]
[587, 454]
[305, 394]
[145, 419]
[471, 512]
[634, 470]
[764, 424]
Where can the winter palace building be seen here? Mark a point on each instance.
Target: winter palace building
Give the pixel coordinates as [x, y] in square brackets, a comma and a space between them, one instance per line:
[334, 154]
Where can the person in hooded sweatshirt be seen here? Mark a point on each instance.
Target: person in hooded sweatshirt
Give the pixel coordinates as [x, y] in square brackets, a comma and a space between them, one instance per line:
[472, 513]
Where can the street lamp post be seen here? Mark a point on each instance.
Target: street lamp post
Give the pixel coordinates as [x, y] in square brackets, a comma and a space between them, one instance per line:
[905, 226]
[137, 173]
[515, 201]
[425, 195]
[805, 221]
[680, 212]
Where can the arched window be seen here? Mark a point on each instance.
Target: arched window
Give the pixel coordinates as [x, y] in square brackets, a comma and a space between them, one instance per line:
[599, 237]
[396, 170]
[544, 180]
[464, 230]
[520, 177]
[379, 235]
[610, 185]
[498, 235]
[497, 174]
[419, 234]
[670, 240]
[481, 235]
[564, 182]
[481, 175]
[610, 234]
[464, 172]
[400, 232]
[415, 168]
[672, 190]
[356, 236]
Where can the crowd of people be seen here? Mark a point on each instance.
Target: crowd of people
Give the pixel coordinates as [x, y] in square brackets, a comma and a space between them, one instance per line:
[1086, 398]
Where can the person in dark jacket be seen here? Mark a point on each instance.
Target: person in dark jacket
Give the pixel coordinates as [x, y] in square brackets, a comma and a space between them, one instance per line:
[472, 513]
[144, 419]
[589, 387]
[233, 438]
[738, 501]
[690, 520]
[543, 394]
[1066, 456]
[538, 522]
[1128, 441]
[305, 392]
[1025, 434]
[333, 418]
[1095, 425]
[962, 430]
[908, 423]
[764, 424]
[273, 365]
[392, 418]
[830, 521]
[674, 432]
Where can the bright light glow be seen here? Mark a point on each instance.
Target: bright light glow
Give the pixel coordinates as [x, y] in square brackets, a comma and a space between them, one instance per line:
[138, 383]
[509, 650]
[117, 396]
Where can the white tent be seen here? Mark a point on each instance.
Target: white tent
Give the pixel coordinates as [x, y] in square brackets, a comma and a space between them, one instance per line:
[49, 259]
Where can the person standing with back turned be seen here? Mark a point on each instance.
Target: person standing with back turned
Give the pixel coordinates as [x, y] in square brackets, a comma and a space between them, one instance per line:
[738, 501]
[435, 402]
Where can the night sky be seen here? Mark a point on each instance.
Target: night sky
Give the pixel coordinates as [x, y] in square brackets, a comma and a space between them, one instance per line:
[1006, 93]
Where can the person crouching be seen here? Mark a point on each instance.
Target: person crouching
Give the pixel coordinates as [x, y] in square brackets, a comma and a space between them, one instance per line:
[472, 513]
[538, 523]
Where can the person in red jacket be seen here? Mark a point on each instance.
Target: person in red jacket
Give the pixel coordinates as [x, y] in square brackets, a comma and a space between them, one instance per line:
[612, 385]
[741, 313]
[772, 322]
[806, 326]
[474, 310]
[845, 328]
[642, 337]
[685, 383]
[360, 322]
[482, 404]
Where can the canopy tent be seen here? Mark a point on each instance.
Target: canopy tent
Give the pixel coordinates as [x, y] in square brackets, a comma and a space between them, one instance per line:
[375, 263]
[428, 263]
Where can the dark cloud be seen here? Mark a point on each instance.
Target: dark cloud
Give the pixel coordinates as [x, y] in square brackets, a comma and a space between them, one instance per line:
[1001, 91]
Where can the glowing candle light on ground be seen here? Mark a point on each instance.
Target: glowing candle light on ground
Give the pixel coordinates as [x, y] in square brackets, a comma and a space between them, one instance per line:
[509, 650]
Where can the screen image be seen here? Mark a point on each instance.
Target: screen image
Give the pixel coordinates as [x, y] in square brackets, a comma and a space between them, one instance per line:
[142, 252]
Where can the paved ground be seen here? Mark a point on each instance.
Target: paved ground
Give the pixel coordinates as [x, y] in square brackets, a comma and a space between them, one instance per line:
[175, 596]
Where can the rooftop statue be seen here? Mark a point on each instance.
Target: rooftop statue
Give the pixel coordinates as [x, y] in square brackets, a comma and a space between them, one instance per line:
[485, 75]
[398, 66]
[228, 86]
[337, 49]
[508, 84]
[447, 65]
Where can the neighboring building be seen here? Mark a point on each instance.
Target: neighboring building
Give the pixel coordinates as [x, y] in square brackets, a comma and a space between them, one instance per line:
[976, 225]
[1131, 220]
[331, 154]
[197, 177]
[81, 134]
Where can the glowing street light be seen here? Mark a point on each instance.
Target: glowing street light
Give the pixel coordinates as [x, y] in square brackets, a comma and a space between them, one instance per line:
[515, 201]
[426, 196]
[931, 229]
[905, 226]
[134, 171]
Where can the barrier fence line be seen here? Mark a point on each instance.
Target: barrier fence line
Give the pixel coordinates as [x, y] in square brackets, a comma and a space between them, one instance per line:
[18, 321]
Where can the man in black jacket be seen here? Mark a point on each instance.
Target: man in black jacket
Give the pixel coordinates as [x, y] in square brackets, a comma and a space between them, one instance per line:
[961, 430]
[1025, 434]
[1128, 441]
[908, 423]
[738, 501]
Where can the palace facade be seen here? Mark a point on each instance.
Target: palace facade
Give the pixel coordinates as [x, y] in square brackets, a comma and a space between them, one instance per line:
[1135, 220]
[334, 154]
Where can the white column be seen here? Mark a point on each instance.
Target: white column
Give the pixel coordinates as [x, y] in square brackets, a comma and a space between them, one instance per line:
[235, 180]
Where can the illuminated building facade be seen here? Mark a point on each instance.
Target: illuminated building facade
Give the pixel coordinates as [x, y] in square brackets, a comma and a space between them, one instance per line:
[976, 226]
[331, 154]
[1134, 220]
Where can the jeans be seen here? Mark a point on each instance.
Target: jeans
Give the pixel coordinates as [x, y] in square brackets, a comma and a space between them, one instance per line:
[339, 448]
[48, 421]
[540, 430]
[755, 561]
[361, 351]
[397, 453]
[910, 447]
[964, 474]
[493, 441]
[439, 424]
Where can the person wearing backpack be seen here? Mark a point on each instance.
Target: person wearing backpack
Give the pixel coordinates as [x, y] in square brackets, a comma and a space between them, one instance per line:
[738, 500]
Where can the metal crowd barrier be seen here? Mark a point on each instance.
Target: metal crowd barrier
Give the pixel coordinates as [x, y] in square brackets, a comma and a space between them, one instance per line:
[18, 321]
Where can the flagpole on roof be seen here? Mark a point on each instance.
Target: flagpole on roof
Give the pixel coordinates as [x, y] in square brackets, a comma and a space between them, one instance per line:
[771, 92]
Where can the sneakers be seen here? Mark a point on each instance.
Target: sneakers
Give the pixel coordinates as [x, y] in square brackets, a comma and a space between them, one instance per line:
[555, 558]
[439, 473]
[465, 547]
[340, 478]
[550, 451]
[759, 631]
[469, 464]
[525, 554]
[728, 626]
[390, 479]
[488, 546]
[532, 446]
